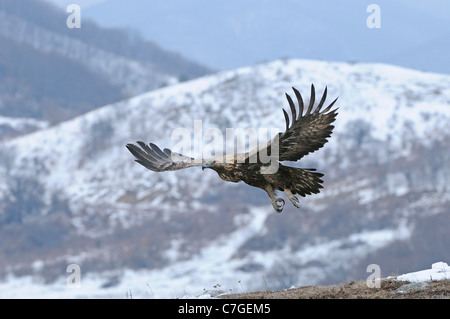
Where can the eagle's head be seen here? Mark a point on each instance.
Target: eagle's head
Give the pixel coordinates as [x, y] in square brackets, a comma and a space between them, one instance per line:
[219, 165]
[208, 165]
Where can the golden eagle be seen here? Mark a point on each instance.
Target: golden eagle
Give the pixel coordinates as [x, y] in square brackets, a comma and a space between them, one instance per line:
[304, 134]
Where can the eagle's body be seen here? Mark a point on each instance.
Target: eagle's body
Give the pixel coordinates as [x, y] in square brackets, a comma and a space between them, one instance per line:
[306, 133]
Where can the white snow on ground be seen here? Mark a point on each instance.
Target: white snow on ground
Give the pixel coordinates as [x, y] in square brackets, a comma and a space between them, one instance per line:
[438, 271]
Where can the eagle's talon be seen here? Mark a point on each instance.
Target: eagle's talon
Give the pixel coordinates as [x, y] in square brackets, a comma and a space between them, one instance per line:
[294, 200]
[278, 204]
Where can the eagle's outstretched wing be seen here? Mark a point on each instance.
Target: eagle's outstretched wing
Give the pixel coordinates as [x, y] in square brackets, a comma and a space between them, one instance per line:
[157, 160]
[306, 133]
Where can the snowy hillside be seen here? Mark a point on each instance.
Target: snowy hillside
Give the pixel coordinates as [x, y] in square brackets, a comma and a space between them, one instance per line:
[386, 170]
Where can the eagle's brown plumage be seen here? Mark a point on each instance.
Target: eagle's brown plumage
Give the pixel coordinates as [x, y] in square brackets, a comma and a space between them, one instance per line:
[306, 132]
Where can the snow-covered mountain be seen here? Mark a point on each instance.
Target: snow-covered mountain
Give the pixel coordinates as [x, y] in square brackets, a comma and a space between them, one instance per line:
[73, 194]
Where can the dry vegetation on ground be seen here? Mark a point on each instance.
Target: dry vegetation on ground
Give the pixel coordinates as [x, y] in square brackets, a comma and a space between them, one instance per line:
[390, 289]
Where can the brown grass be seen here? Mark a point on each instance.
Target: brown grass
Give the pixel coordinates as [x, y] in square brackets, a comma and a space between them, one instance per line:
[355, 290]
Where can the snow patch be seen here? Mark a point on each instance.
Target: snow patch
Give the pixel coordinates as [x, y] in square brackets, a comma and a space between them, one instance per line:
[438, 271]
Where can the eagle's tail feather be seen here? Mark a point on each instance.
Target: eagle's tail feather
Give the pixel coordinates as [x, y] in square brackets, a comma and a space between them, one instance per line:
[305, 181]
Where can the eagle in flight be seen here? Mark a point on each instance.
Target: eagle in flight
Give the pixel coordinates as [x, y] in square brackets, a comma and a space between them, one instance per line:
[305, 133]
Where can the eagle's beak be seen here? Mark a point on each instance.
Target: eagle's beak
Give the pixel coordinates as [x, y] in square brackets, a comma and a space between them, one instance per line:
[207, 165]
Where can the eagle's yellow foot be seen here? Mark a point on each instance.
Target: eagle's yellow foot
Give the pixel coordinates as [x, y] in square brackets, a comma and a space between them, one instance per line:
[278, 204]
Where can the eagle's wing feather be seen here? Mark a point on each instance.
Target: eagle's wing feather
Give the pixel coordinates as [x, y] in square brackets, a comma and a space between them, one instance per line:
[157, 160]
[304, 133]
